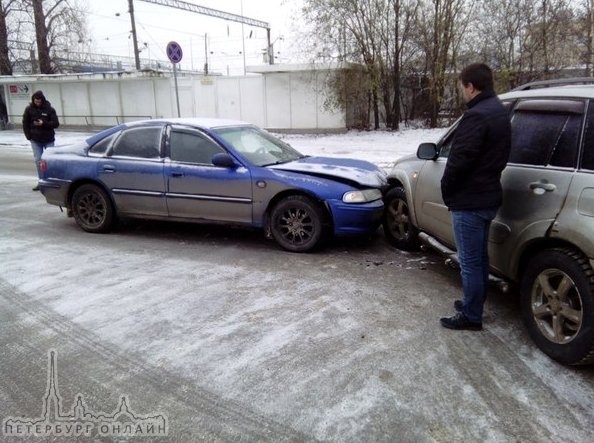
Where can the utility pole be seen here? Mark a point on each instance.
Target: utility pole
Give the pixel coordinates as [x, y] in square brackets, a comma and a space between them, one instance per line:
[592, 38]
[205, 54]
[271, 47]
[242, 39]
[134, 39]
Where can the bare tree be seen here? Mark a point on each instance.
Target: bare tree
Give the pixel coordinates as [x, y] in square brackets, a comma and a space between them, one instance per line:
[441, 22]
[585, 31]
[56, 24]
[395, 32]
[373, 33]
[5, 64]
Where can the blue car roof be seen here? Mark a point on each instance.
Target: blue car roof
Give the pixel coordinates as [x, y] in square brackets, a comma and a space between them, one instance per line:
[207, 123]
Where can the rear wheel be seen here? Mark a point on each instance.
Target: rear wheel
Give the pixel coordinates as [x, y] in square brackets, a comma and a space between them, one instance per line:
[398, 229]
[92, 209]
[558, 305]
[296, 223]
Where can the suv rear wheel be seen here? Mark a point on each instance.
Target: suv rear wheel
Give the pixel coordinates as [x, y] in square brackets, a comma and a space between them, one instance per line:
[558, 305]
[398, 229]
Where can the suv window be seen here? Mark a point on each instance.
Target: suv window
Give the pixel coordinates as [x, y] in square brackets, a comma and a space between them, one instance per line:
[192, 147]
[546, 132]
[139, 142]
[588, 154]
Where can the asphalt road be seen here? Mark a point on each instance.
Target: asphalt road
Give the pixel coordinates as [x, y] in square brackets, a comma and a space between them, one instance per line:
[224, 337]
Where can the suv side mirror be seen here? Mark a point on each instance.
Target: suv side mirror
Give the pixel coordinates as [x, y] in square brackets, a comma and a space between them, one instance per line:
[427, 151]
[223, 160]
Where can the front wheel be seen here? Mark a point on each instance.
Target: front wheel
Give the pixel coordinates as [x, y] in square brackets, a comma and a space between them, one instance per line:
[92, 209]
[398, 228]
[558, 305]
[296, 223]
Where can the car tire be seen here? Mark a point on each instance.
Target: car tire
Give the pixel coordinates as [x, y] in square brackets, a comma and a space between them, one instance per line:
[297, 223]
[558, 305]
[398, 229]
[92, 209]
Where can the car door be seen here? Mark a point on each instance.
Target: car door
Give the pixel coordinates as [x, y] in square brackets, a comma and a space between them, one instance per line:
[197, 189]
[545, 140]
[133, 172]
[433, 215]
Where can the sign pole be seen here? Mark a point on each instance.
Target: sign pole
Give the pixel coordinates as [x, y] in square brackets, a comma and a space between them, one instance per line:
[175, 54]
[176, 89]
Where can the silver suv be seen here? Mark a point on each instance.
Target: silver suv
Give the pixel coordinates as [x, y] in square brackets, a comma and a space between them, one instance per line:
[542, 240]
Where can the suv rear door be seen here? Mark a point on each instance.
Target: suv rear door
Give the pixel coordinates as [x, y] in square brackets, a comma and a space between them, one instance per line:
[545, 138]
[575, 224]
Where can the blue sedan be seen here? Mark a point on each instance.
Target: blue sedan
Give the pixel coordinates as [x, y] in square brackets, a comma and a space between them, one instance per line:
[212, 171]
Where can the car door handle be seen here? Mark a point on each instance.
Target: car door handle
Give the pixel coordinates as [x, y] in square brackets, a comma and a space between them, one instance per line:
[108, 168]
[544, 186]
[177, 174]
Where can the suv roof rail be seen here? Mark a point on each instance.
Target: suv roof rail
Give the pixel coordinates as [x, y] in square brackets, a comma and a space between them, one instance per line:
[555, 82]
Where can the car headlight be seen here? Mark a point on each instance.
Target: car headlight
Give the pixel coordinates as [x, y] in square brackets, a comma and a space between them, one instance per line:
[367, 195]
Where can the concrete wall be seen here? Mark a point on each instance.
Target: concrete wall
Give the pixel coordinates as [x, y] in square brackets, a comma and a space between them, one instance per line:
[289, 99]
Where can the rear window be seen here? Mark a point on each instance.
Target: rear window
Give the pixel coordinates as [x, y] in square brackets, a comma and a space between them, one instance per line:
[546, 133]
[102, 146]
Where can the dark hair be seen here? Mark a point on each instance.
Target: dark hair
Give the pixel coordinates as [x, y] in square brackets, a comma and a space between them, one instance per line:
[38, 94]
[479, 74]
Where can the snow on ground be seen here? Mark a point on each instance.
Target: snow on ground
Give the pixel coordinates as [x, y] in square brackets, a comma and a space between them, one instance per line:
[379, 147]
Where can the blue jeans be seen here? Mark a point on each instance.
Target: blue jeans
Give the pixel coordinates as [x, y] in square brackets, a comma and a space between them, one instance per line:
[38, 148]
[471, 232]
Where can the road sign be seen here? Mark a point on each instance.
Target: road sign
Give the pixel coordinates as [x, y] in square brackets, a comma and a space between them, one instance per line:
[174, 52]
[19, 91]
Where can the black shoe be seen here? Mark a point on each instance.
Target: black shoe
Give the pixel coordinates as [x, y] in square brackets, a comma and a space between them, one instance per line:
[459, 305]
[36, 188]
[460, 322]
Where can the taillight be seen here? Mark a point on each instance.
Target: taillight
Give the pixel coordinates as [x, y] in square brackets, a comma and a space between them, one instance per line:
[43, 166]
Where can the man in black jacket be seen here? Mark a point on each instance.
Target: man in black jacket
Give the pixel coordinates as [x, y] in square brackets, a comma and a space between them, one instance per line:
[471, 188]
[39, 122]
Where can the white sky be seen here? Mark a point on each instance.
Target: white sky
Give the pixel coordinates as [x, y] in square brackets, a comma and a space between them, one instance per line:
[157, 25]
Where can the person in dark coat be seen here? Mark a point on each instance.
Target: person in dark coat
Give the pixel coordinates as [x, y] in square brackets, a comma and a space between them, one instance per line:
[39, 123]
[471, 188]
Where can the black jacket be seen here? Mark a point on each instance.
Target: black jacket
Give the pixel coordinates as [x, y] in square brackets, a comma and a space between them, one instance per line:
[480, 150]
[44, 133]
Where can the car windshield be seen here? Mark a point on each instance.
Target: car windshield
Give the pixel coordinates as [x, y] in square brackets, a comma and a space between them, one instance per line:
[258, 146]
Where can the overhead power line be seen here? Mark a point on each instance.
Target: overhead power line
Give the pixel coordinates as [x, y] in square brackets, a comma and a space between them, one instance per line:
[178, 4]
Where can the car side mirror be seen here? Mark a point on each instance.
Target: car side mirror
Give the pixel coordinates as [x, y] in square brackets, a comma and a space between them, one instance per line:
[427, 151]
[223, 160]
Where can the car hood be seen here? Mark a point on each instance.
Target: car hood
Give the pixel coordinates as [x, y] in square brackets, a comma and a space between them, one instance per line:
[348, 170]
